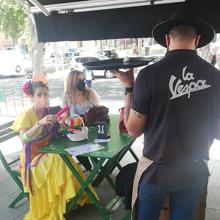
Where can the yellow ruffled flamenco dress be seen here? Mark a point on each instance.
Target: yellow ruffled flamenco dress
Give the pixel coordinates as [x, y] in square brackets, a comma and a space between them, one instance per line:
[52, 184]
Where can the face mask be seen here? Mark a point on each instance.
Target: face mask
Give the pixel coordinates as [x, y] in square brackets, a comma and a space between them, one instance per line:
[80, 85]
[41, 103]
[41, 98]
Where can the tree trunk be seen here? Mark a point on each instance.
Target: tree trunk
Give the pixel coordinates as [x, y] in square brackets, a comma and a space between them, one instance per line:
[37, 48]
[37, 57]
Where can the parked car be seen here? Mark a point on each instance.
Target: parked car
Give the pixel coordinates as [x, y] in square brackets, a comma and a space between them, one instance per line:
[11, 63]
[107, 54]
[77, 63]
[67, 57]
[75, 52]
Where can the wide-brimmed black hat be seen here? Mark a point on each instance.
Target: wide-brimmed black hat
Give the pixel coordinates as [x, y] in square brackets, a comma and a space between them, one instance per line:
[184, 17]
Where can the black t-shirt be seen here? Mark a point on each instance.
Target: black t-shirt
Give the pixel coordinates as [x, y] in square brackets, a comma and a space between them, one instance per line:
[180, 96]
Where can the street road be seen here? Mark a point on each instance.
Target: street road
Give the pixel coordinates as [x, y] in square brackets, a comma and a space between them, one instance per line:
[110, 90]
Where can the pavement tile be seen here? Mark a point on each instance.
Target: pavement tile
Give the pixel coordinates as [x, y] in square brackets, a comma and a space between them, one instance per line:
[9, 189]
[215, 175]
[212, 214]
[213, 198]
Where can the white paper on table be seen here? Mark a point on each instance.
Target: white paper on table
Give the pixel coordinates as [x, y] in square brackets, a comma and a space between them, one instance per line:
[85, 148]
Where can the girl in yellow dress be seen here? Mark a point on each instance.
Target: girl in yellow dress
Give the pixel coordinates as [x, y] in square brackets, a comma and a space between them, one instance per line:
[45, 177]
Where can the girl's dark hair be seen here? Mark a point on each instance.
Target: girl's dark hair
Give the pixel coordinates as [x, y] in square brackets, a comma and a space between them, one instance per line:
[29, 88]
[36, 85]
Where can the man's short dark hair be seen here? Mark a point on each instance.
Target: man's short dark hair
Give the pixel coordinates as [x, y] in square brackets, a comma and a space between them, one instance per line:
[183, 32]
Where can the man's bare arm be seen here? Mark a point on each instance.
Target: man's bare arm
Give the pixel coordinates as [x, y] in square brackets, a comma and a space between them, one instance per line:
[134, 121]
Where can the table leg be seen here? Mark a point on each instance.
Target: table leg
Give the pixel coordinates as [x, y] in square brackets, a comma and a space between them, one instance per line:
[84, 187]
[111, 165]
[133, 154]
[104, 173]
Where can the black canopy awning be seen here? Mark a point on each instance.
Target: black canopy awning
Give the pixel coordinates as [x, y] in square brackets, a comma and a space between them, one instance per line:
[129, 22]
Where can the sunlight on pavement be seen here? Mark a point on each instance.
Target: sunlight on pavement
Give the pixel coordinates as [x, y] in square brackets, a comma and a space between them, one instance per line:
[11, 146]
[214, 152]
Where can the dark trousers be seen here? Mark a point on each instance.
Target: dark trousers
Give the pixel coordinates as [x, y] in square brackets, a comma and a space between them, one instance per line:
[183, 200]
[89, 83]
[85, 162]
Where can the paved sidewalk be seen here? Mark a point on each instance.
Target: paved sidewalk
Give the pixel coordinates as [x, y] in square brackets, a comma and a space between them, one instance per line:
[9, 190]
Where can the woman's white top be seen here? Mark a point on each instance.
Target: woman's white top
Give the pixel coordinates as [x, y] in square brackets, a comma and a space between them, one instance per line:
[79, 109]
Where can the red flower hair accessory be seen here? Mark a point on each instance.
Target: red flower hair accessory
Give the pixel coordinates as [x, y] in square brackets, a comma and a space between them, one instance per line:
[27, 88]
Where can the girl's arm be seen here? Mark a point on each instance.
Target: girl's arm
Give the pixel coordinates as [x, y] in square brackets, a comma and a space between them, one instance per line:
[27, 134]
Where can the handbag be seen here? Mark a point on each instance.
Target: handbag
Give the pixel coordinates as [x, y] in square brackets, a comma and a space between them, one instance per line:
[122, 127]
[96, 114]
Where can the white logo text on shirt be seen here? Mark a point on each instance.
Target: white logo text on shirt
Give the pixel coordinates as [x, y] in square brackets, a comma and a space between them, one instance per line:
[186, 85]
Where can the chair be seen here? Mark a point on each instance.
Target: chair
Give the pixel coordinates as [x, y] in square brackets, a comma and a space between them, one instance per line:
[5, 134]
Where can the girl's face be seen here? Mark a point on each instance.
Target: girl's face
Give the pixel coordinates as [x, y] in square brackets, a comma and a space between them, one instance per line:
[40, 97]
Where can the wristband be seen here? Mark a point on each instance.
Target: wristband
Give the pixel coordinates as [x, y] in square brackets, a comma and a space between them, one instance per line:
[26, 138]
[128, 90]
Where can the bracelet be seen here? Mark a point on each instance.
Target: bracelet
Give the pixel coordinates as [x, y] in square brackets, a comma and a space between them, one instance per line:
[38, 123]
[128, 90]
[26, 138]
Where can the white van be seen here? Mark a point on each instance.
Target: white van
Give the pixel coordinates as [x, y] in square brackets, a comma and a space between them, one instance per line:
[11, 63]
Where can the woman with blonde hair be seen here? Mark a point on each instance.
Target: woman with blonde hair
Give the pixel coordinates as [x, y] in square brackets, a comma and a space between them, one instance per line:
[45, 177]
[80, 99]
[78, 96]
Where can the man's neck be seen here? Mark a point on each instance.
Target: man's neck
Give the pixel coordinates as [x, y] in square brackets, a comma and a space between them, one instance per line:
[183, 46]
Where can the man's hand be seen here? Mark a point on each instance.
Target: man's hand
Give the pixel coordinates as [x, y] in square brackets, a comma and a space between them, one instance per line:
[127, 78]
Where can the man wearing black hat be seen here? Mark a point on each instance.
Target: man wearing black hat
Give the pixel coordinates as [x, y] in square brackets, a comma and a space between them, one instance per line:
[176, 104]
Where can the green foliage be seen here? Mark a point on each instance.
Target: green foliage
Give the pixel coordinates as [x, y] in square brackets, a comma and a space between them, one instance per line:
[12, 19]
[27, 35]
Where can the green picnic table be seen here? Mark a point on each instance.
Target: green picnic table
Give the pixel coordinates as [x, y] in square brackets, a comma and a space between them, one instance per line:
[104, 162]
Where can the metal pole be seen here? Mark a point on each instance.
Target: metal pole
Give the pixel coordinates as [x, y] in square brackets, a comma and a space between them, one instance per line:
[5, 99]
[14, 100]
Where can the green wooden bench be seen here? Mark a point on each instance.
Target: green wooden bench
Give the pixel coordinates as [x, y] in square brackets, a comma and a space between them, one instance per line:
[5, 134]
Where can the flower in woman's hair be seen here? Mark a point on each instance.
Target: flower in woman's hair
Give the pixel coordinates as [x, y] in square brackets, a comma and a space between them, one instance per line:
[27, 88]
[40, 77]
